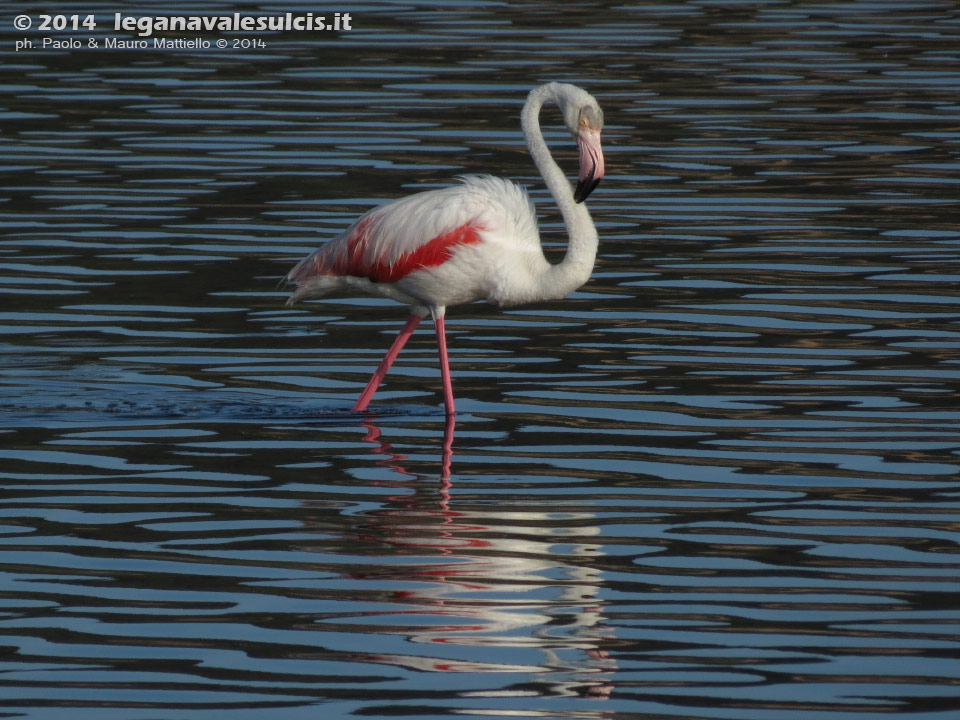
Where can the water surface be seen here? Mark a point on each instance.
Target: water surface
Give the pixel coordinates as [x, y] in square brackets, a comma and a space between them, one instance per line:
[719, 481]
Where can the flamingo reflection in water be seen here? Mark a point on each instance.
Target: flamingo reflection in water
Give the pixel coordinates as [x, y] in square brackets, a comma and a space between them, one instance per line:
[491, 574]
[393, 460]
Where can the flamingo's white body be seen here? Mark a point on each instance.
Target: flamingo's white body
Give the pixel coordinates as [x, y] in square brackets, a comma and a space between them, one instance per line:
[474, 241]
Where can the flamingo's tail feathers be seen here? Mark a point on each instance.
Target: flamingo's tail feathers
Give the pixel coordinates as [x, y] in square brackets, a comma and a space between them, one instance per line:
[314, 287]
[311, 278]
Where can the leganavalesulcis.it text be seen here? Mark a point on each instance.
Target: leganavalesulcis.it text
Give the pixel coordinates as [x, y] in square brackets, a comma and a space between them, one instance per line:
[147, 25]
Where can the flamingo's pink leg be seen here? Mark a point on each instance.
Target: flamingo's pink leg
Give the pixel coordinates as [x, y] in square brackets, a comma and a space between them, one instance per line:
[405, 332]
[444, 364]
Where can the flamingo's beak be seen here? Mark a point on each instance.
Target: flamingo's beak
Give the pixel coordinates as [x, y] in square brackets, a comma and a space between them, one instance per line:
[591, 162]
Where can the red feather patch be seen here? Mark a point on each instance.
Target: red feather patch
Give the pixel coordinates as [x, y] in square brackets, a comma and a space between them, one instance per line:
[431, 254]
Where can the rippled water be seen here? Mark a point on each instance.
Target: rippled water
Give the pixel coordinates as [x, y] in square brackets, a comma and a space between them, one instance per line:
[720, 481]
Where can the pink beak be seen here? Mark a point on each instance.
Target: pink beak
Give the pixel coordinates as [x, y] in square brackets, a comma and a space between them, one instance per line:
[591, 163]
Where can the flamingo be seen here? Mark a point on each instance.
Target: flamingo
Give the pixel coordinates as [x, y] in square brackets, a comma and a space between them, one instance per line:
[474, 241]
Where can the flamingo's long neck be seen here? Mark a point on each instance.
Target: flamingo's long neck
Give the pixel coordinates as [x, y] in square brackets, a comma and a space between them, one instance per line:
[575, 268]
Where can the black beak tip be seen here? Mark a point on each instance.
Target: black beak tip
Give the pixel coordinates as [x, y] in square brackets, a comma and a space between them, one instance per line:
[584, 188]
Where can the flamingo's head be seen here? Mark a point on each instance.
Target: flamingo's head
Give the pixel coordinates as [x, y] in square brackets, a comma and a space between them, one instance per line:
[584, 119]
[589, 123]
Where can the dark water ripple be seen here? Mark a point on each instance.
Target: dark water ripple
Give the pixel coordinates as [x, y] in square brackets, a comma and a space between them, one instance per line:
[719, 481]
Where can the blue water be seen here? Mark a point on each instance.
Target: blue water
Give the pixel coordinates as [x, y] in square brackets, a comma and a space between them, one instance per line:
[719, 481]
